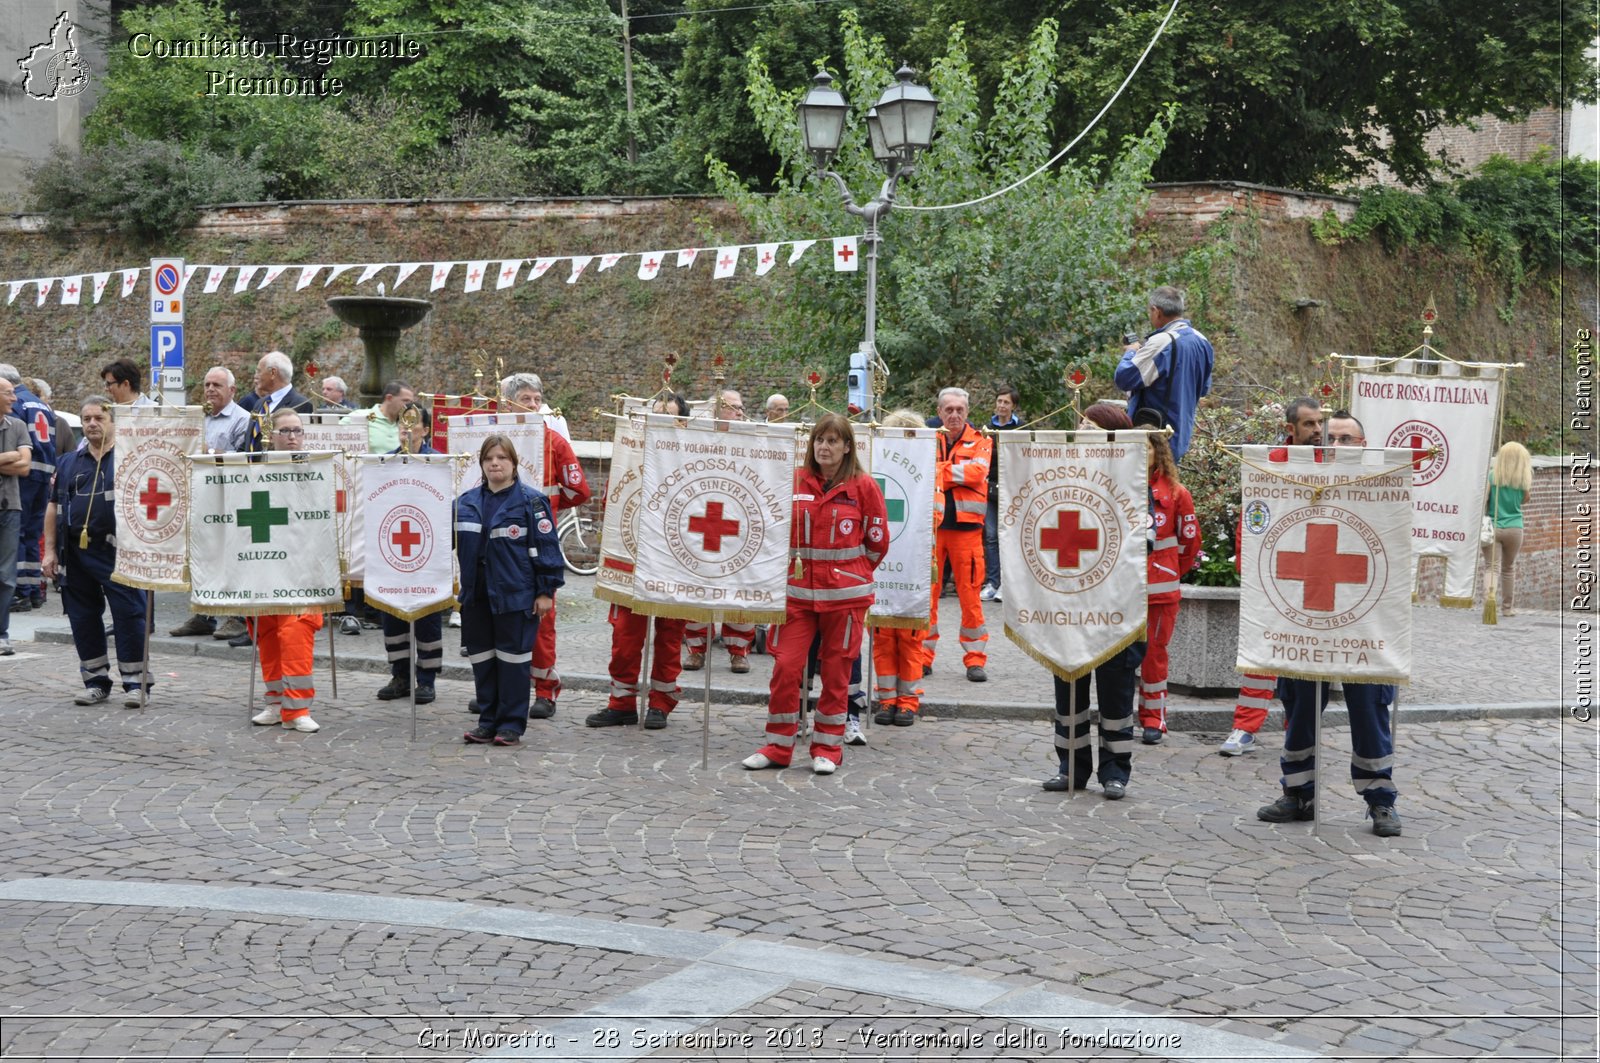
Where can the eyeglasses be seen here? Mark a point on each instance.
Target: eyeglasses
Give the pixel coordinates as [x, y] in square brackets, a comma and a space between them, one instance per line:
[108, 382]
[289, 431]
[1344, 441]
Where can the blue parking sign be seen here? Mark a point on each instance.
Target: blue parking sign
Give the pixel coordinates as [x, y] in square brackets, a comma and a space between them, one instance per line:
[166, 347]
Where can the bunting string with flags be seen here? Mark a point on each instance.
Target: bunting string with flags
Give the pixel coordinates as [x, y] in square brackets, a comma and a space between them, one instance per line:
[714, 516]
[263, 538]
[1326, 544]
[619, 533]
[902, 461]
[525, 430]
[1073, 511]
[1449, 422]
[152, 489]
[409, 501]
[726, 261]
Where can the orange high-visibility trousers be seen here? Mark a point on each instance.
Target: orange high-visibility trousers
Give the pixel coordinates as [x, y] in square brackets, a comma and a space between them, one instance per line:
[897, 656]
[286, 644]
[963, 548]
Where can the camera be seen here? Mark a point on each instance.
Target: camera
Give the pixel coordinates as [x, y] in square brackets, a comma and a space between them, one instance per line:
[1130, 338]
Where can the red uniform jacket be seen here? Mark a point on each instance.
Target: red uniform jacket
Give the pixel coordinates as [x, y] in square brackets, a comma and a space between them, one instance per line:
[1177, 539]
[563, 473]
[838, 538]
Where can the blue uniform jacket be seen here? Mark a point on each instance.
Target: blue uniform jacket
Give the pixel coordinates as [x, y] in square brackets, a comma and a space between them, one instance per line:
[32, 411]
[76, 485]
[1169, 373]
[520, 548]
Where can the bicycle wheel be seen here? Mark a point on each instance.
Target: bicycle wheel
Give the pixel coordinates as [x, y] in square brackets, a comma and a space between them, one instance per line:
[580, 545]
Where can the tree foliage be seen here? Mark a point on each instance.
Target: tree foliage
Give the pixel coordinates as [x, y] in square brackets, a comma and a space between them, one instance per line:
[1015, 286]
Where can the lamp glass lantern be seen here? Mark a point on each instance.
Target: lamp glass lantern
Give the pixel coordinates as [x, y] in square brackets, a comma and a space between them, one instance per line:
[822, 113]
[906, 111]
[880, 149]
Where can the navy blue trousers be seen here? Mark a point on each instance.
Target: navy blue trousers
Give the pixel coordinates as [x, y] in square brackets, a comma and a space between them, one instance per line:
[1372, 745]
[500, 647]
[86, 591]
[1115, 682]
[430, 647]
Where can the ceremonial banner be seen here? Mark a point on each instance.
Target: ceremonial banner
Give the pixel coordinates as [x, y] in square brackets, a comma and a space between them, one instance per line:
[1327, 545]
[526, 431]
[344, 441]
[1448, 422]
[902, 461]
[408, 536]
[620, 533]
[1074, 507]
[264, 538]
[714, 514]
[446, 408]
[152, 492]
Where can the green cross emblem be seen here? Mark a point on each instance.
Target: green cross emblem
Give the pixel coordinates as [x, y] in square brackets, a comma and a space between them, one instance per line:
[260, 516]
[895, 506]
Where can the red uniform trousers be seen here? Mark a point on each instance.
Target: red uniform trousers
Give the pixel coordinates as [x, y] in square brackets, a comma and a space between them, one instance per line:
[841, 644]
[1255, 698]
[736, 637]
[897, 657]
[627, 656]
[1160, 617]
[286, 644]
[963, 548]
[542, 666]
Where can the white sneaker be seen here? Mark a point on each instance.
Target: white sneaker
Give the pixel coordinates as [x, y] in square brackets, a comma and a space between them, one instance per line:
[455, 619]
[997, 596]
[5, 648]
[92, 696]
[266, 717]
[303, 723]
[987, 594]
[1238, 742]
[822, 766]
[852, 732]
[756, 761]
[130, 700]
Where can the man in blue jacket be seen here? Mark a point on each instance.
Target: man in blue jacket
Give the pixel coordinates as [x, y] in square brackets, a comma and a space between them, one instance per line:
[1170, 371]
[40, 420]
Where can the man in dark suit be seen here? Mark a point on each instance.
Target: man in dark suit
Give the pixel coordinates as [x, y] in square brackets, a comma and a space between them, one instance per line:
[274, 391]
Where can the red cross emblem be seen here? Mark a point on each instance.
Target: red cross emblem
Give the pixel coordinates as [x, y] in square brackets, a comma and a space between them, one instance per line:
[508, 272]
[650, 265]
[1320, 568]
[845, 252]
[1419, 451]
[1068, 538]
[41, 426]
[406, 538]
[152, 498]
[72, 289]
[725, 262]
[475, 275]
[766, 258]
[712, 526]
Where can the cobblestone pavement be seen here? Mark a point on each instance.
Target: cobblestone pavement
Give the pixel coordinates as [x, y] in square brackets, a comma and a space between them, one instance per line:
[179, 882]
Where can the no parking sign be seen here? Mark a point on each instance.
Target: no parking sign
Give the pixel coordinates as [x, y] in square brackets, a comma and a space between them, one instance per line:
[166, 329]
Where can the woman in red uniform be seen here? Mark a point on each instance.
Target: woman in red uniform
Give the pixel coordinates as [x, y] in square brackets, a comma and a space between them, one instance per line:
[839, 535]
[1174, 549]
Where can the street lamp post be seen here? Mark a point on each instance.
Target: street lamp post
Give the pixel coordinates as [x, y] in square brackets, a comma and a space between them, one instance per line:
[899, 125]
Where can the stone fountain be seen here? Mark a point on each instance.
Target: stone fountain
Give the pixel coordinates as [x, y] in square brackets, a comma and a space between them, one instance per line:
[380, 319]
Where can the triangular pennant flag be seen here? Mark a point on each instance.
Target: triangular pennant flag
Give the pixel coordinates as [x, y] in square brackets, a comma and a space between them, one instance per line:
[71, 290]
[188, 271]
[475, 272]
[213, 279]
[270, 276]
[766, 258]
[441, 271]
[844, 254]
[579, 264]
[607, 261]
[650, 265]
[406, 270]
[44, 289]
[242, 281]
[370, 272]
[508, 272]
[727, 262]
[307, 275]
[15, 286]
[130, 279]
[540, 267]
[686, 256]
[100, 280]
[334, 272]
[800, 248]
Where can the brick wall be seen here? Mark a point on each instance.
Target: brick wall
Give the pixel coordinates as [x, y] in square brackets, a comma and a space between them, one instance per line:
[1551, 536]
[1203, 202]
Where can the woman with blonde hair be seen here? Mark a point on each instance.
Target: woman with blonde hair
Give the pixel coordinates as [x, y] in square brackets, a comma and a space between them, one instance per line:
[1510, 480]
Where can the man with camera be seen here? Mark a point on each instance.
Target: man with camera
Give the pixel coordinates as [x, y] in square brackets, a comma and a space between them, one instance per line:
[1170, 371]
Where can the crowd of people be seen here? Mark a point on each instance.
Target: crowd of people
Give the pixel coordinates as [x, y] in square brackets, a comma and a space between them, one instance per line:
[57, 522]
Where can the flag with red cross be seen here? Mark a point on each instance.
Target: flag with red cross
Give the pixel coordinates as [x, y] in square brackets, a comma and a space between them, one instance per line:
[408, 511]
[152, 493]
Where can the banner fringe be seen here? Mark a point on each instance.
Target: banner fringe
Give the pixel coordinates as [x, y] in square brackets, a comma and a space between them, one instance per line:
[408, 615]
[1455, 603]
[909, 623]
[247, 611]
[1067, 675]
[149, 585]
[1397, 680]
[708, 616]
[616, 597]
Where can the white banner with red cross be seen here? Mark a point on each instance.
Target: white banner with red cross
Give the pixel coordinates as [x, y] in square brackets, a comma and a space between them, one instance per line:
[714, 517]
[345, 441]
[1073, 511]
[902, 461]
[1448, 421]
[1324, 563]
[619, 534]
[263, 537]
[408, 534]
[526, 432]
[152, 492]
